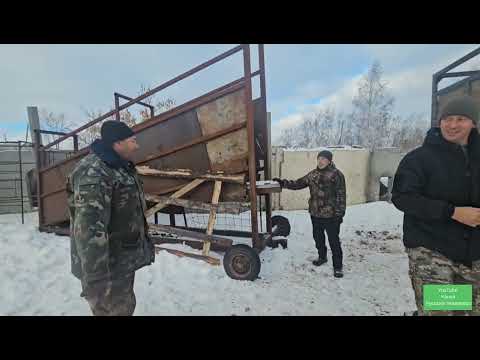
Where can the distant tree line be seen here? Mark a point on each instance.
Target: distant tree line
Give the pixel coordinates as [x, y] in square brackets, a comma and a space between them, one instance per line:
[371, 124]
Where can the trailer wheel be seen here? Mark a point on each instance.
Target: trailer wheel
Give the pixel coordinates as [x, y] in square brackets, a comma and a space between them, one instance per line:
[241, 262]
[280, 226]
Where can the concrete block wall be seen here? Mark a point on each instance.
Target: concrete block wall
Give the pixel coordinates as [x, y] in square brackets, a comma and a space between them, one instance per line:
[383, 163]
[362, 169]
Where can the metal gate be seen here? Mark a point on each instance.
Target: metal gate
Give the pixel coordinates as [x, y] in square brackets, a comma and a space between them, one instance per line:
[14, 164]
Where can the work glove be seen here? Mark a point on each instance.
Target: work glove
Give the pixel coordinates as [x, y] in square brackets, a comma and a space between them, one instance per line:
[280, 181]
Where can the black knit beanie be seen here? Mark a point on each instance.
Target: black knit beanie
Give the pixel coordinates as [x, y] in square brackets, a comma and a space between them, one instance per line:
[113, 131]
[326, 154]
[463, 105]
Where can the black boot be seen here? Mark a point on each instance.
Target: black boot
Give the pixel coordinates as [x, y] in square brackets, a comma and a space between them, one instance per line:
[338, 273]
[319, 261]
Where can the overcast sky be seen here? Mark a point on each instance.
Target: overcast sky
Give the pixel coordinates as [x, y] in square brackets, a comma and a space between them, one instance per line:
[70, 79]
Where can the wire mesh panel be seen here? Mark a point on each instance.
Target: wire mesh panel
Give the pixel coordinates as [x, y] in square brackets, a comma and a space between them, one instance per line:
[225, 221]
[240, 222]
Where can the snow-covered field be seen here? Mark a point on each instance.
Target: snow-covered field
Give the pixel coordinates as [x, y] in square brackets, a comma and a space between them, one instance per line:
[35, 276]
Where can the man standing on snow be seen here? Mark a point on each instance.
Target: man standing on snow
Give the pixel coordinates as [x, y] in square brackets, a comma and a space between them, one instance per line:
[108, 229]
[326, 205]
[437, 186]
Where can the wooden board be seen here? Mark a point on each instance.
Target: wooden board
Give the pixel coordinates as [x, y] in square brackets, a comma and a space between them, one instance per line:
[229, 207]
[225, 242]
[213, 215]
[188, 174]
[190, 186]
[208, 259]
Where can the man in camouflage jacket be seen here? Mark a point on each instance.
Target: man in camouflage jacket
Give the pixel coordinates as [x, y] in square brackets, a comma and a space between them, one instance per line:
[109, 232]
[326, 205]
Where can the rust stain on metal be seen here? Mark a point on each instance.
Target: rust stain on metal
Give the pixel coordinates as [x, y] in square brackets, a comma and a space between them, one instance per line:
[222, 113]
[199, 141]
[230, 149]
[230, 152]
[55, 208]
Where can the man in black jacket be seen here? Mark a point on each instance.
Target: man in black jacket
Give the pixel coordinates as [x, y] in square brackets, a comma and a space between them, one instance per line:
[437, 186]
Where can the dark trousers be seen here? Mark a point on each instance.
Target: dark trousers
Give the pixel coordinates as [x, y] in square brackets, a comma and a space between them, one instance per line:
[332, 227]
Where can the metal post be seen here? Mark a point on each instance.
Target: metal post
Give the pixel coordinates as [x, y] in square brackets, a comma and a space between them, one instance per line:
[117, 105]
[261, 215]
[267, 163]
[33, 121]
[38, 163]
[21, 177]
[172, 219]
[185, 218]
[252, 170]
[75, 142]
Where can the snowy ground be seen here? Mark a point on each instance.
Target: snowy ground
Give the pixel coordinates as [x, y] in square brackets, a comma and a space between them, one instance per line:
[35, 274]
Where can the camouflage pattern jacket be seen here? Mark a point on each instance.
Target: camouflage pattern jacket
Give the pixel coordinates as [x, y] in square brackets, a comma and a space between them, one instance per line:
[327, 191]
[109, 233]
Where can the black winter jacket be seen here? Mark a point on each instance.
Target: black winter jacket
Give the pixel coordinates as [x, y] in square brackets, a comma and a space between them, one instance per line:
[429, 180]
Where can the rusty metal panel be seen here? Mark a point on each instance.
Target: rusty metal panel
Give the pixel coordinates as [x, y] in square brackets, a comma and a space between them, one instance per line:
[54, 194]
[176, 131]
[224, 151]
[55, 209]
[228, 153]
[193, 158]
[54, 178]
[222, 113]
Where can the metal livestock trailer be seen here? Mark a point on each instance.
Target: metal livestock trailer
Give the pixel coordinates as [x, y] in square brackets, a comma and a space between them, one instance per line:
[200, 157]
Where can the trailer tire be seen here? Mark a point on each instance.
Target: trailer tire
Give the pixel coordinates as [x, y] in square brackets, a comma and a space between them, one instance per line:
[280, 226]
[241, 262]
